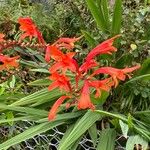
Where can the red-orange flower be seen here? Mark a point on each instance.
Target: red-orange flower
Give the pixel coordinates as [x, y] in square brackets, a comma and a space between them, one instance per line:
[88, 65]
[66, 62]
[105, 47]
[53, 111]
[53, 52]
[2, 37]
[8, 62]
[67, 43]
[116, 73]
[84, 102]
[29, 29]
[99, 85]
[60, 81]
[84, 68]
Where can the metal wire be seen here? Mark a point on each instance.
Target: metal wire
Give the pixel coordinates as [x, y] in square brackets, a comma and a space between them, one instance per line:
[49, 140]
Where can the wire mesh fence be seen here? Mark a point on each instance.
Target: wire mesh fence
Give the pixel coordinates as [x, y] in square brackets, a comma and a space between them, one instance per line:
[51, 139]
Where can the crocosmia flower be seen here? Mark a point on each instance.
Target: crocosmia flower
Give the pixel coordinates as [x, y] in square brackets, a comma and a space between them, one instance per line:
[67, 43]
[8, 62]
[30, 30]
[99, 85]
[53, 111]
[60, 81]
[2, 37]
[88, 65]
[66, 62]
[86, 73]
[116, 73]
[54, 53]
[84, 101]
[105, 47]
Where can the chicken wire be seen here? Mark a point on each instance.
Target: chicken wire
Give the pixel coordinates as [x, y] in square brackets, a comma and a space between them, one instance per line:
[49, 140]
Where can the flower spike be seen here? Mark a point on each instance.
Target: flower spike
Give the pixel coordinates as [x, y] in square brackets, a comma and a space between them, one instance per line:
[105, 47]
[30, 29]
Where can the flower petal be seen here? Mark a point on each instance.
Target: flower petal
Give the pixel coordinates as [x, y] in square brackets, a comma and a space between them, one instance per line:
[103, 48]
[84, 102]
[53, 111]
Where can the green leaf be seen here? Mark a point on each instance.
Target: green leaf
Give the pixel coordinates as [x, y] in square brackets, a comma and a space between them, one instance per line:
[136, 140]
[2, 90]
[13, 81]
[103, 8]
[93, 133]
[130, 121]
[80, 128]
[40, 82]
[125, 59]
[100, 100]
[117, 15]
[146, 112]
[124, 128]
[70, 128]
[27, 110]
[123, 118]
[145, 68]
[76, 144]
[29, 133]
[142, 77]
[38, 97]
[42, 70]
[29, 118]
[10, 116]
[64, 116]
[89, 38]
[104, 4]
[118, 116]
[97, 14]
[107, 140]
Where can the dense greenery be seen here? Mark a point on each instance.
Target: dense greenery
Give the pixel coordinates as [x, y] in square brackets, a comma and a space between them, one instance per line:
[121, 120]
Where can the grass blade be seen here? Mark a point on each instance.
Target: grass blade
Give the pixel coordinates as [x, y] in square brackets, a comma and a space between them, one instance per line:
[27, 110]
[97, 14]
[38, 97]
[107, 140]
[80, 128]
[93, 133]
[104, 4]
[89, 38]
[117, 15]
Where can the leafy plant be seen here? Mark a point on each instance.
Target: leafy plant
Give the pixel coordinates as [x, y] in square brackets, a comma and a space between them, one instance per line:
[102, 125]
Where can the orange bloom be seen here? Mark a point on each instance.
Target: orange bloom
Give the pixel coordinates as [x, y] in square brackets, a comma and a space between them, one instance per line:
[105, 47]
[53, 111]
[67, 43]
[2, 37]
[84, 68]
[29, 29]
[88, 65]
[66, 62]
[116, 73]
[99, 85]
[60, 81]
[8, 62]
[53, 52]
[84, 102]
